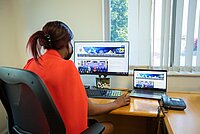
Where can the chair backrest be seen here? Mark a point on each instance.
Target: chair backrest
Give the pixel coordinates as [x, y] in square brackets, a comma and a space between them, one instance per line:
[29, 106]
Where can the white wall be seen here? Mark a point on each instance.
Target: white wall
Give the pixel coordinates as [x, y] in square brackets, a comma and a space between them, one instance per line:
[8, 46]
[81, 16]
[21, 18]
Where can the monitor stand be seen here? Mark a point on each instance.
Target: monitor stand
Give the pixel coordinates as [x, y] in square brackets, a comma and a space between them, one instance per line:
[102, 82]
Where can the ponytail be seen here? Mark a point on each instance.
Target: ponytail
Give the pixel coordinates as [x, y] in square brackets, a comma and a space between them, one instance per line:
[35, 43]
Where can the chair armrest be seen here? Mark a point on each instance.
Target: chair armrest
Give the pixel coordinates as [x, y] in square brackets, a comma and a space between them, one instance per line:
[96, 128]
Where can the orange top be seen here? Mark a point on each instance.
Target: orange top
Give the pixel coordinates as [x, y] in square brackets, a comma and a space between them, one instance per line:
[65, 87]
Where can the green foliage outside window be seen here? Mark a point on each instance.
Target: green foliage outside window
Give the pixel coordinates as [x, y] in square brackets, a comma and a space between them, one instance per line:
[119, 20]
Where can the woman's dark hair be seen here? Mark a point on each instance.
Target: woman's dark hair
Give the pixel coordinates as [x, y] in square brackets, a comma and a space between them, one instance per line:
[51, 37]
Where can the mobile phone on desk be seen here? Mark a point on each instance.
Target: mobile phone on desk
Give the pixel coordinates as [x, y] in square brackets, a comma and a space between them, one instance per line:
[173, 103]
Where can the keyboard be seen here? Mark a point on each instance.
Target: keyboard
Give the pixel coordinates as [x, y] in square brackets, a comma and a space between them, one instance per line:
[148, 92]
[103, 93]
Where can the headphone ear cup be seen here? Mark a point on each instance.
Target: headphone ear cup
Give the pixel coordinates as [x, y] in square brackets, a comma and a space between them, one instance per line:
[69, 53]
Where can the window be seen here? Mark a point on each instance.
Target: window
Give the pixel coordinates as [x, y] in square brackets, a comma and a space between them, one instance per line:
[119, 20]
[162, 33]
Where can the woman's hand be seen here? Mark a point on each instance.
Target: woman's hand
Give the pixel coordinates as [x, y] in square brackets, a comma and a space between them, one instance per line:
[123, 100]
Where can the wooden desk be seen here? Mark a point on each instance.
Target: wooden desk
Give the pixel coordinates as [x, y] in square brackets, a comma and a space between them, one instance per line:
[187, 121]
[137, 107]
[139, 117]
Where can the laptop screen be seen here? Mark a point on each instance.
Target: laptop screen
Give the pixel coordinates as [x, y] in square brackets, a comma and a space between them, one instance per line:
[150, 79]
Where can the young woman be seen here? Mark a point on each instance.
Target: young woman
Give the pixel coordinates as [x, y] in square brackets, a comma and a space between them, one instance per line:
[62, 78]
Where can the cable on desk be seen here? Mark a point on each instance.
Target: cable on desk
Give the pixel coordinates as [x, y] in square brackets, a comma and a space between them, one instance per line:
[160, 120]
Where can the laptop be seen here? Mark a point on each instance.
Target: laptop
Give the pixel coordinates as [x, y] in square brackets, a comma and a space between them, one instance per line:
[150, 84]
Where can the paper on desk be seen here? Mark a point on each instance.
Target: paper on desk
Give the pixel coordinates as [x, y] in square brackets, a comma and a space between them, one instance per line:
[145, 105]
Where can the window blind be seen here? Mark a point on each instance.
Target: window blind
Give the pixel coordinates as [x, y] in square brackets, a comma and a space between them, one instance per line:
[178, 33]
[163, 33]
[190, 35]
[139, 35]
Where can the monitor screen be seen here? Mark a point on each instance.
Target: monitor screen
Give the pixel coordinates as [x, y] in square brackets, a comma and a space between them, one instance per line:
[102, 57]
[151, 79]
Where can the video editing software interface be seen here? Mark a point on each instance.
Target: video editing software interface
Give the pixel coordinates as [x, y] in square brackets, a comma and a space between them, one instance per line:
[101, 57]
[150, 79]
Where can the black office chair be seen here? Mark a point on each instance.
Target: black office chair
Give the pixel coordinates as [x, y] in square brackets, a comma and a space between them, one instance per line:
[29, 107]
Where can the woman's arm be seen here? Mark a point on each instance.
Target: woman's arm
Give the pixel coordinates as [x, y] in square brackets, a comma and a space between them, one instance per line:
[96, 109]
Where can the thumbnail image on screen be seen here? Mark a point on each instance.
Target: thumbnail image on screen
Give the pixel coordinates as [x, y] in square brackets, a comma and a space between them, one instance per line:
[102, 57]
[145, 84]
[92, 66]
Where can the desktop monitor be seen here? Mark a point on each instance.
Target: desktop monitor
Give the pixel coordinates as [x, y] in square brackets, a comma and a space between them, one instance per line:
[102, 57]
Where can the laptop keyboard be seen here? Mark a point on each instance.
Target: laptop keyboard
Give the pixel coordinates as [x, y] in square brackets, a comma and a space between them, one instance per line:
[148, 92]
[144, 92]
[103, 93]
